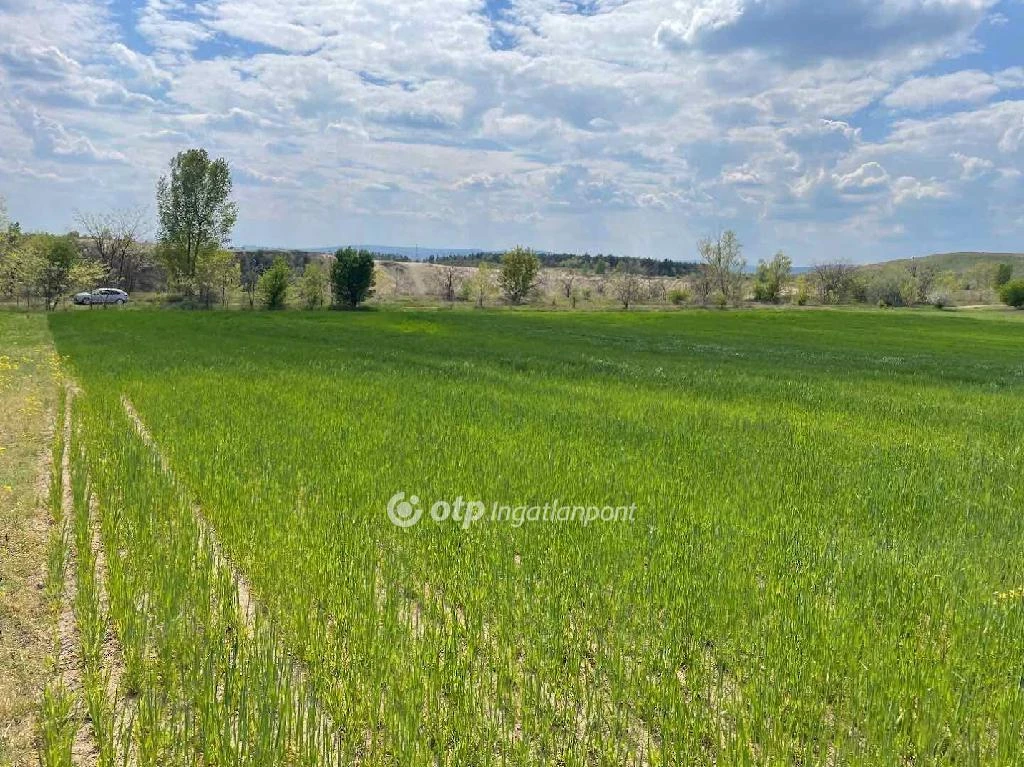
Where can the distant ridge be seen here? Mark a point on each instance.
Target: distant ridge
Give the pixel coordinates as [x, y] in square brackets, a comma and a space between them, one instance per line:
[415, 252]
[961, 261]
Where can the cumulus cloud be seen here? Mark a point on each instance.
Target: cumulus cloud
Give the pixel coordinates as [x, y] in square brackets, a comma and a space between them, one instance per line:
[139, 67]
[972, 166]
[37, 61]
[701, 21]
[869, 177]
[484, 182]
[52, 139]
[964, 87]
[802, 30]
[584, 123]
[907, 189]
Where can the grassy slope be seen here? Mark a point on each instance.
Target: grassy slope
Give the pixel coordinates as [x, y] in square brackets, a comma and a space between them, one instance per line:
[27, 396]
[827, 514]
[962, 262]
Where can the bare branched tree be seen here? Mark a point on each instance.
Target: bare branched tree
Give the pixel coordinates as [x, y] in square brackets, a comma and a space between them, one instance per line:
[924, 275]
[628, 288]
[723, 262]
[116, 242]
[568, 281]
[834, 281]
[447, 281]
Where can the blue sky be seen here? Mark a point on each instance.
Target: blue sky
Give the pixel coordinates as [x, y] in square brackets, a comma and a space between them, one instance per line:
[850, 129]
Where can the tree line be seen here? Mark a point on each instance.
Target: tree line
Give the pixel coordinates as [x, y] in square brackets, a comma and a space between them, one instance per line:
[191, 257]
[585, 263]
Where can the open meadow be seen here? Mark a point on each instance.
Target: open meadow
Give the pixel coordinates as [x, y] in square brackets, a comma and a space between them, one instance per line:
[825, 564]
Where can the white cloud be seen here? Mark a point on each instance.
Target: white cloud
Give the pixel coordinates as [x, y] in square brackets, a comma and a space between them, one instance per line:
[869, 177]
[436, 120]
[907, 189]
[972, 166]
[52, 139]
[965, 87]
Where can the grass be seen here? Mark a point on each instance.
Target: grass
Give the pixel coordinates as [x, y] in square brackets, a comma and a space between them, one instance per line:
[27, 397]
[825, 564]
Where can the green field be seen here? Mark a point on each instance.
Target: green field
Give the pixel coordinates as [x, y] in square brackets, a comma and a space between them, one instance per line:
[825, 564]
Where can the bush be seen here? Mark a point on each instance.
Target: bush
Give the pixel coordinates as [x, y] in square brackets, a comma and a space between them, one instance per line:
[803, 291]
[678, 296]
[891, 287]
[1012, 294]
[273, 285]
[313, 286]
[352, 277]
[772, 277]
[1004, 273]
[940, 299]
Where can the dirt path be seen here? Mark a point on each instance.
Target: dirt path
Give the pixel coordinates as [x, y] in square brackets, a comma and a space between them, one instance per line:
[28, 392]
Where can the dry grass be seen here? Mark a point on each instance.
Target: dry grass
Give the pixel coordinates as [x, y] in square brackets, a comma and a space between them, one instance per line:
[28, 373]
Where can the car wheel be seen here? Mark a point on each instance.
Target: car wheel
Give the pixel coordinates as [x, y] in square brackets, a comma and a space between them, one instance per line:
[86, 302]
[120, 302]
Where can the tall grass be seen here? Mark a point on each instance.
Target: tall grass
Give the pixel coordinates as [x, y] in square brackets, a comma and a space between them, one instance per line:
[824, 568]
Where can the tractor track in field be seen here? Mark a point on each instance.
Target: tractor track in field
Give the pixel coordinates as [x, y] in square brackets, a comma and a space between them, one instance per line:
[69, 665]
[246, 603]
[412, 614]
[112, 651]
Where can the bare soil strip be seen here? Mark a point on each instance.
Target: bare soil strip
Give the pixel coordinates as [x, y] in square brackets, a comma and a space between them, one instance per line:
[68, 662]
[122, 705]
[246, 602]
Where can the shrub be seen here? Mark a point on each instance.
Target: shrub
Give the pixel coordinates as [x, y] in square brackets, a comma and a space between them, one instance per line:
[940, 299]
[273, 285]
[1004, 273]
[1012, 294]
[313, 286]
[352, 277]
[679, 296]
[891, 287]
[772, 277]
[803, 291]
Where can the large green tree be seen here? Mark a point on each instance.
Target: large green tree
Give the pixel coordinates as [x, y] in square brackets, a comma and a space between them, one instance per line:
[196, 213]
[59, 258]
[352, 277]
[518, 276]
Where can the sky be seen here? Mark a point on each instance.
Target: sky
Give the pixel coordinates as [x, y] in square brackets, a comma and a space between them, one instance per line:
[857, 130]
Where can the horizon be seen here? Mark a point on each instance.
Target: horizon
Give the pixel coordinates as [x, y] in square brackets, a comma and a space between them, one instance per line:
[383, 250]
[829, 129]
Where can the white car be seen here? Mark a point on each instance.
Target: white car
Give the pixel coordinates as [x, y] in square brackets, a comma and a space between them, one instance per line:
[102, 296]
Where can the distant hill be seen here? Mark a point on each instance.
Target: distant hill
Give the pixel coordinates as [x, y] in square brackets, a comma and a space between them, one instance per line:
[420, 253]
[960, 262]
